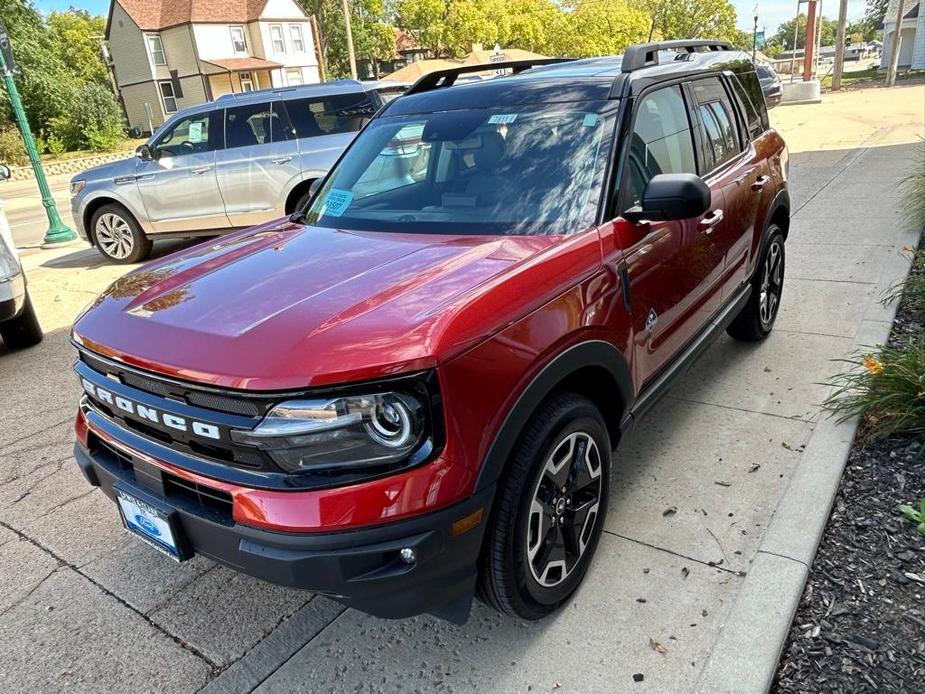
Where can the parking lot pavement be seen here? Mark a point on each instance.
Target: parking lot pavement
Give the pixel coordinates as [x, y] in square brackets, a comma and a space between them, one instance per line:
[87, 608]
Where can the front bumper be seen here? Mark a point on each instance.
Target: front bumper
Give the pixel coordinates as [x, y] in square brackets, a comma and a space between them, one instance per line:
[360, 568]
[12, 296]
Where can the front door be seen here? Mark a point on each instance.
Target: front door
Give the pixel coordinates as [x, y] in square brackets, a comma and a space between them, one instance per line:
[178, 187]
[259, 163]
[668, 264]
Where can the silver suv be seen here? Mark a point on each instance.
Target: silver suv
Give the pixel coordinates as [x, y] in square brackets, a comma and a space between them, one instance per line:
[241, 160]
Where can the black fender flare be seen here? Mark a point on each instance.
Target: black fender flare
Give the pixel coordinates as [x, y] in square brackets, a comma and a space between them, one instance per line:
[593, 353]
[781, 200]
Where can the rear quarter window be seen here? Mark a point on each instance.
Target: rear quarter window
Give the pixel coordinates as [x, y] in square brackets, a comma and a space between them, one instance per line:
[747, 89]
[329, 115]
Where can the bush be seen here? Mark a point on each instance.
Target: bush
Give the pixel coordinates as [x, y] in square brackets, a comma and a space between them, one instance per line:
[12, 151]
[888, 388]
[913, 191]
[94, 123]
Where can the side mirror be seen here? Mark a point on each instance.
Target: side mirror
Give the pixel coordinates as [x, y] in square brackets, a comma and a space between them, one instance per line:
[671, 196]
[5, 172]
[145, 153]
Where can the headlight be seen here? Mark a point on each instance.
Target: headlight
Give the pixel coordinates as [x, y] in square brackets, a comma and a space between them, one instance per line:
[349, 431]
[77, 186]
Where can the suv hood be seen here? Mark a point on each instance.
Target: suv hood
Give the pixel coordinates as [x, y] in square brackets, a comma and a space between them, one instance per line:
[286, 306]
[113, 169]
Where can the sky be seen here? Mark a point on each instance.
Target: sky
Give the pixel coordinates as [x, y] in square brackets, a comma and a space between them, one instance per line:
[771, 13]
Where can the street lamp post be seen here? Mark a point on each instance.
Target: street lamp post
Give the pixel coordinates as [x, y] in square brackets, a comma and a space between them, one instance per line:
[58, 231]
[755, 38]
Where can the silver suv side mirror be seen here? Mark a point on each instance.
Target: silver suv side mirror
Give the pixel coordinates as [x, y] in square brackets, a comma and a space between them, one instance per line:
[5, 172]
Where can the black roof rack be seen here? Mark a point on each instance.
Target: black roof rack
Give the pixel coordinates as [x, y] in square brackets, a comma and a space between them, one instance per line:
[445, 78]
[646, 54]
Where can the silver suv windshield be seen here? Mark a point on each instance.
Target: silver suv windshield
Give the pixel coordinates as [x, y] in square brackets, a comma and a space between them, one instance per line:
[526, 170]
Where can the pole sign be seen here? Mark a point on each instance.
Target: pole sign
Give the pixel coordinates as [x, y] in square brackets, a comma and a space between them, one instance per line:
[7, 49]
[759, 39]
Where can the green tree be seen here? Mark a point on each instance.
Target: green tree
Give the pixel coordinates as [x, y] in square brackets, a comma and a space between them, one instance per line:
[450, 27]
[685, 19]
[590, 27]
[784, 35]
[75, 37]
[373, 35]
[94, 122]
[45, 83]
[876, 11]
[526, 24]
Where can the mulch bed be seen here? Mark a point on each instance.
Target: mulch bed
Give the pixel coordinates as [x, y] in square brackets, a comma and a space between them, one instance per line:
[860, 626]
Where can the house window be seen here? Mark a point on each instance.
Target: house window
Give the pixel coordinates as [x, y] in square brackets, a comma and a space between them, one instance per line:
[294, 76]
[238, 40]
[156, 49]
[247, 82]
[276, 36]
[295, 33]
[168, 97]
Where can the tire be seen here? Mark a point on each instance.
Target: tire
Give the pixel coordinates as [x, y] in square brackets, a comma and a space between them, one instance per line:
[524, 571]
[117, 235]
[24, 330]
[756, 319]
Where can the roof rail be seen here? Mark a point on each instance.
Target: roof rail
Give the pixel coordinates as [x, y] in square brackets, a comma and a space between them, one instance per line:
[445, 78]
[646, 54]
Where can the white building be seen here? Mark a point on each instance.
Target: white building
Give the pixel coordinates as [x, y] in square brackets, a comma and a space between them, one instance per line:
[167, 55]
[912, 43]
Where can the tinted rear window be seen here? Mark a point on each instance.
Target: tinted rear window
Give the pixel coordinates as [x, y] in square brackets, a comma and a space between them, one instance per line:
[328, 115]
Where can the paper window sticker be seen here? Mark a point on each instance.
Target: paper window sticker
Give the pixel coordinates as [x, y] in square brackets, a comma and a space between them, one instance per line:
[590, 120]
[195, 133]
[337, 202]
[502, 118]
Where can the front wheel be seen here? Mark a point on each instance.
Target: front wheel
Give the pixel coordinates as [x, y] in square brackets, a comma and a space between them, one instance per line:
[756, 319]
[117, 235]
[550, 510]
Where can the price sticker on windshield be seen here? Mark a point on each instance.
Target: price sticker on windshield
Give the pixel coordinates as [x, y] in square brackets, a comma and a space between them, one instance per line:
[337, 202]
[502, 118]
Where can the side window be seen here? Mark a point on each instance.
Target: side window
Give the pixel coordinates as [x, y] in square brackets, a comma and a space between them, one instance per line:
[661, 141]
[187, 136]
[339, 113]
[717, 122]
[255, 124]
[752, 116]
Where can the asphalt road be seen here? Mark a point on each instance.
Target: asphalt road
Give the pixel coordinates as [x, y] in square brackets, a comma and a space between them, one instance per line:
[22, 203]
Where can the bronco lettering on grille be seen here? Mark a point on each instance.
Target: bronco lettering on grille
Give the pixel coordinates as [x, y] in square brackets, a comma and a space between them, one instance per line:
[173, 421]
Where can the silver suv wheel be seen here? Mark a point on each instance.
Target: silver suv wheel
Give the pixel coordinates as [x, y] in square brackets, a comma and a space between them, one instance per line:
[114, 236]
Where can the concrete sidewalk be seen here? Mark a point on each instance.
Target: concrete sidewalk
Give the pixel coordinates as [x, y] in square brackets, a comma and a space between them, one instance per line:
[697, 488]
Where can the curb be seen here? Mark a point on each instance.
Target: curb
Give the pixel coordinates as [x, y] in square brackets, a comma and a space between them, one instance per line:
[747, 651]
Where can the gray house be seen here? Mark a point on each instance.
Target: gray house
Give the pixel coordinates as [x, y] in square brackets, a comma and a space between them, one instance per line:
[166, 55]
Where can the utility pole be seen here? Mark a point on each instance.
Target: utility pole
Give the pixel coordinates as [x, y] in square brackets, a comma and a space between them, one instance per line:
[840, 45]
[897, 42]
[57, 231]
[350, 54]
[809, 41]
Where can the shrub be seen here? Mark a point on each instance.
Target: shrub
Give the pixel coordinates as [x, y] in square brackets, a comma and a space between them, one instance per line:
[12, 151]
[94, 123]
[916, 515]
[913, 191]
[888, 388]
[912, 290]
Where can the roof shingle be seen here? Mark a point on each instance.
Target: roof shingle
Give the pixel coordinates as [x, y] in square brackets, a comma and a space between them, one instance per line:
[151, 15]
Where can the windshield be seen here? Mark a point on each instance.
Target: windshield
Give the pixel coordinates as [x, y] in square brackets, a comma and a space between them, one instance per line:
[533, 170]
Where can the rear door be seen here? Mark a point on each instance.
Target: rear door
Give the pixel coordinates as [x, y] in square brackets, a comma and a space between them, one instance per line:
[179, 188]
[669, 265]
[732, 167]
[259, 164]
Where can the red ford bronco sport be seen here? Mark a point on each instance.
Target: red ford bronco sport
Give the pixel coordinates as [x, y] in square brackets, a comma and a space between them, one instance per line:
[408, 392]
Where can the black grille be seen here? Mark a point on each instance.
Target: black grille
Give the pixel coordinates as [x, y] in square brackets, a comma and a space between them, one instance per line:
[222, 403]
[215, 500]
[149, 385]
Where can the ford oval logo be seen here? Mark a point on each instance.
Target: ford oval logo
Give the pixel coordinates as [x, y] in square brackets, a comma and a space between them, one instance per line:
[147, 525]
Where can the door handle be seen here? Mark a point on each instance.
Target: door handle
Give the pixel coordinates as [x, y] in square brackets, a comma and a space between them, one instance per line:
[708, 223]
[282, 160]
[760, 183]
[201, 170]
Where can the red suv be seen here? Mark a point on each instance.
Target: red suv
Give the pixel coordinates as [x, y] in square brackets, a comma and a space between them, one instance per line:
[409, 392]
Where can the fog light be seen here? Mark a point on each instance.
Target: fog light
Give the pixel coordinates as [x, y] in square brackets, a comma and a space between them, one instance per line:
[407, 555]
